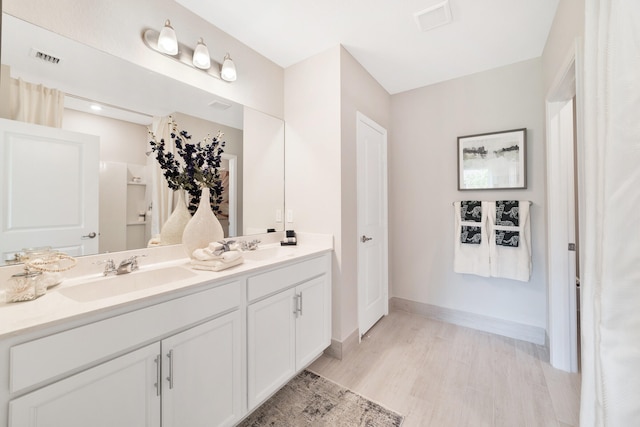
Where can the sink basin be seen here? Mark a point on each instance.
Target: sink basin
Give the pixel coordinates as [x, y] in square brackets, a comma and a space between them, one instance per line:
[269, 252]
[117, 285]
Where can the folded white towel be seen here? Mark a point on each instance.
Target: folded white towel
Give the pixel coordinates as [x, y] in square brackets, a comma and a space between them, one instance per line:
[506, 261]
[471, 258]
[216, 265]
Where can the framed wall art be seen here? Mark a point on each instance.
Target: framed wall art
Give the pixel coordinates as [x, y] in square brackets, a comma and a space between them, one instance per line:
[493, 161]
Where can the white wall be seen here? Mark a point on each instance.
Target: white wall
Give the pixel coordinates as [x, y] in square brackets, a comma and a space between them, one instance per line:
[359, 92]
[568, 24]
[120, 141]
[322, 96]
[425, 124]
[312, 155]
[116, 27]
[263, 172]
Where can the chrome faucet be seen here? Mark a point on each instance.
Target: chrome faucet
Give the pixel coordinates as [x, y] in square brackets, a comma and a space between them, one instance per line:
[247, 245]
[127, 265]
[109, 267]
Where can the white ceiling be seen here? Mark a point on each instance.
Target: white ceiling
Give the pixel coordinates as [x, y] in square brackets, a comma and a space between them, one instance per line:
[383, 35]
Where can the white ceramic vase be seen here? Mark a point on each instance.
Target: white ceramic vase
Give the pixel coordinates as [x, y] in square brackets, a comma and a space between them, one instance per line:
[203, 228]
[172, 229]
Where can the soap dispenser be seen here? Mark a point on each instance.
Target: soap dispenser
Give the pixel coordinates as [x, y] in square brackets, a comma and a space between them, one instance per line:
[290, 239]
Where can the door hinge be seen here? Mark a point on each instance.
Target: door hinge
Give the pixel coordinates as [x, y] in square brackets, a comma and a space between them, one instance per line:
[572, 246]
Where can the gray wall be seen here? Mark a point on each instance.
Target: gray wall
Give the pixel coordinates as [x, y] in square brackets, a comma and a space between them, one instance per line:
[425, 124]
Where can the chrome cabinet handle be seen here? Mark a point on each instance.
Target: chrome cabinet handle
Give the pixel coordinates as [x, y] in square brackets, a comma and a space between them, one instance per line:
[295, 304]
[365, 239]
[170, 377]
[91, 235]
[158, 375]
[300, 300]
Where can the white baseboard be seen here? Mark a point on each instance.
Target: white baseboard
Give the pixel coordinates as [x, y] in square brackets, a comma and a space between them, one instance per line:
[338, 349]
[493, 325]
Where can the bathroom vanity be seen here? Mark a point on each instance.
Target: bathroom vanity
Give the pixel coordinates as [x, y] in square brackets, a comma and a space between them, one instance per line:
[201, 348]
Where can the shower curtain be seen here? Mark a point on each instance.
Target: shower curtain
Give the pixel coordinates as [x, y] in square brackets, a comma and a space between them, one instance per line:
[610, 179]
[35, 103]
[162, 197]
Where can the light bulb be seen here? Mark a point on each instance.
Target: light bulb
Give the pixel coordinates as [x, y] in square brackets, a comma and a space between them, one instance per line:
[167, 40]
[201, 57]
[228, 71]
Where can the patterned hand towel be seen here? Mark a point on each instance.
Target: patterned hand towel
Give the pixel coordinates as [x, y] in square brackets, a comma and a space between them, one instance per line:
[471, 247]
[507, 222]
[510, 239]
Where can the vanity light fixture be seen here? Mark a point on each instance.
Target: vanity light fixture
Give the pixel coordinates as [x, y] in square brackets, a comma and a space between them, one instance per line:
[228, 71]
[167, 40]
[201, 57]
[166, 43]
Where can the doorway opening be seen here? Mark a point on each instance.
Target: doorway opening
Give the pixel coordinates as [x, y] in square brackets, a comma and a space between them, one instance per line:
[563, 134]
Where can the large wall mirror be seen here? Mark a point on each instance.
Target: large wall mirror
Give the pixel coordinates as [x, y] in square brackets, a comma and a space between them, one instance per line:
[128, 98]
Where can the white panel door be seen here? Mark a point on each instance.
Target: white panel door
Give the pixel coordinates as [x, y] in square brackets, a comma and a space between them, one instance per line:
[270, 345]
[48, 189]
[313, 332]
[121, 392]
[373, 299]
[201, 371]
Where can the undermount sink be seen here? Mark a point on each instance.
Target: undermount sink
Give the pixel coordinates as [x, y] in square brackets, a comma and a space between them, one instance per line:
[269, 252]
[106, 287]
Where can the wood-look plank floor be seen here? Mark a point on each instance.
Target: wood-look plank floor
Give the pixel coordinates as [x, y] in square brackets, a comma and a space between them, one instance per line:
[441, 375]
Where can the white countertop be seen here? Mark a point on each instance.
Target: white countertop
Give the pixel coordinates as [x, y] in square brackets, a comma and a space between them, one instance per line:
[54, 307]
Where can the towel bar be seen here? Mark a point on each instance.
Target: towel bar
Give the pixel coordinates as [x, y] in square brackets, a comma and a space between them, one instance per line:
[528, 201]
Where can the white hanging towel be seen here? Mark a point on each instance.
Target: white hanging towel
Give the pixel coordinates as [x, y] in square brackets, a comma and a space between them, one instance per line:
[471, 257]
[510, 239]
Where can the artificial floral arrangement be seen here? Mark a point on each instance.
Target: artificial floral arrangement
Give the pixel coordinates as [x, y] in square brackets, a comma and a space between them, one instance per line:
[194, 165]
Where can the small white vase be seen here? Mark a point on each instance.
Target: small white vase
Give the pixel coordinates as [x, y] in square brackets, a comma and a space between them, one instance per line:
[203, 228]
[172, 229]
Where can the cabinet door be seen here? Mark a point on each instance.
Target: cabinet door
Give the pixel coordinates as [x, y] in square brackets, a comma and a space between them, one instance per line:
[201, 371]
[120, 392]
[270, 345]
[313, 321]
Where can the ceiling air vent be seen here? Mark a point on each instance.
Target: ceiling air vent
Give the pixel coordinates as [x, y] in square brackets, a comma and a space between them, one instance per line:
[219, 105]
[434, 16]
[38, 54]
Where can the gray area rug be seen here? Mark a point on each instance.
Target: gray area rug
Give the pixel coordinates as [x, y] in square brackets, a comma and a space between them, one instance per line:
[310, 400]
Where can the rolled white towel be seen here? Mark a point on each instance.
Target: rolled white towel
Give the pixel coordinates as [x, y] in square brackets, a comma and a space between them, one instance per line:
[204, 254]
[215, 246]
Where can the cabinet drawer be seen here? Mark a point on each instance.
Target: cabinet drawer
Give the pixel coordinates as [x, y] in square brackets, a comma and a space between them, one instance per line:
[267, 283]
[36, 361]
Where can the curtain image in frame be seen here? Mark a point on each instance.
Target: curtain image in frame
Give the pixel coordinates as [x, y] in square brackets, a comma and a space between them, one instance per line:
[493, 161]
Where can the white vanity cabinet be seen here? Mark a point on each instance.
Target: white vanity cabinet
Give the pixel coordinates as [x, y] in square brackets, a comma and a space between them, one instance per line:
[204, 355]
[120, 392]
[201, 372]
[192, 378]
[288, 324]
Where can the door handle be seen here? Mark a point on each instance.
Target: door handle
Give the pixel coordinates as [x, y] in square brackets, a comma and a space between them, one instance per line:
[91, 235]
[365, 239]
